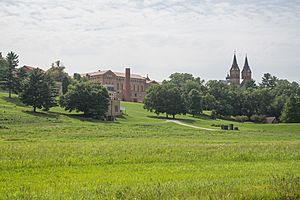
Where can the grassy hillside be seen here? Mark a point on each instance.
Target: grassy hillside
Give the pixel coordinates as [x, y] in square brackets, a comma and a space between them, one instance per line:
[60, 155]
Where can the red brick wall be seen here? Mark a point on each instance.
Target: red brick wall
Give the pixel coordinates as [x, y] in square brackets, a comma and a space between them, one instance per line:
[127, 89]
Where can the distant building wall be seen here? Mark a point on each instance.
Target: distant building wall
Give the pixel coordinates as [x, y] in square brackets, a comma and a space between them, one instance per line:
[127, 86]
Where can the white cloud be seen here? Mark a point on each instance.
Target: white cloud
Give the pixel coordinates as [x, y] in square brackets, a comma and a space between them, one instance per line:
[155, 37]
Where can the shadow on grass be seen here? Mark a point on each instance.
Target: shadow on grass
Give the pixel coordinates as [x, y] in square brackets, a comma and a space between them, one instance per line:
[122, 117]
[14, 100]
[190, 121]
[41, 114]
[81, 117]
[203, 116]
[158, 117]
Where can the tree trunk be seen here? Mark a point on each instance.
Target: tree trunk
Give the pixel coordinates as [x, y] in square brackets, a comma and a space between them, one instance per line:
[9, 93]
[167, 116]
[34, 109]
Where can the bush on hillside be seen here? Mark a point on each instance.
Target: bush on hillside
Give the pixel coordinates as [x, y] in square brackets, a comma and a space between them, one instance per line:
[258, 118]
[213, 114]
[291, 110]
[88, 97]
[241, 118]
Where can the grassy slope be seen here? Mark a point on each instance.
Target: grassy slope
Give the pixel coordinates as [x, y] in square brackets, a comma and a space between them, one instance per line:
[61, 155]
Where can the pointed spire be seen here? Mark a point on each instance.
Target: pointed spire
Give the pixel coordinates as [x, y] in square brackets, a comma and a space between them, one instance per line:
[234, 64]
[246, 65]
[147, 78]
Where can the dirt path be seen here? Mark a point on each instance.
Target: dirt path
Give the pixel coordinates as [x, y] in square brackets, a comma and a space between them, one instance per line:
[191, 126]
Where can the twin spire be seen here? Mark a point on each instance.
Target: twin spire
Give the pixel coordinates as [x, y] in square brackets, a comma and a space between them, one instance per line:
[246, 65]
[235, 73]
[235, 66]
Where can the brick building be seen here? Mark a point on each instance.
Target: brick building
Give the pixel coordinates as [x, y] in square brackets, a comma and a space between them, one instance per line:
[126, 86]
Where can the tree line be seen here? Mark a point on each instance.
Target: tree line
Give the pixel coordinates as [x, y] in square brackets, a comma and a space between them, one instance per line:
[183, 93]
[38, 88]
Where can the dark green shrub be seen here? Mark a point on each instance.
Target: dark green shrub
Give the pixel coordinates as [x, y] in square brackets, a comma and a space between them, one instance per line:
[258, 118]
[241, 118]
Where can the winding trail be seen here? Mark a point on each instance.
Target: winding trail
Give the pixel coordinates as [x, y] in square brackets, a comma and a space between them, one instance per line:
[191, 126]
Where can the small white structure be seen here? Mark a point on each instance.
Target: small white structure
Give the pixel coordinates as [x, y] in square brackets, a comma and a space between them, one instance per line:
[58, 87]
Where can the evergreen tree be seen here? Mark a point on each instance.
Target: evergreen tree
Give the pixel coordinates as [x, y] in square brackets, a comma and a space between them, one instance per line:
[88, 97]
[38, 91]
[291, 110]
[10, 79]
[21, 76]
[3, 68]
[65, 84]
[195, 102]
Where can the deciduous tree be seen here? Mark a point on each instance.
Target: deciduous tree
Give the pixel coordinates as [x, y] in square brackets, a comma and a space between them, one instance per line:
[195, 102]
[88, 97]
[165, 98]
[291, 111]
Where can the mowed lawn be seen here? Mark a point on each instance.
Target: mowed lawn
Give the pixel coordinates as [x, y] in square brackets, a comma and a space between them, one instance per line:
[60, 155]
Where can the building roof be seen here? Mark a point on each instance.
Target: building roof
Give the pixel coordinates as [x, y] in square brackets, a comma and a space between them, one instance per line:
[119, 74]
[28, 68]
[152, 82]
[234, 66]
[246, 66]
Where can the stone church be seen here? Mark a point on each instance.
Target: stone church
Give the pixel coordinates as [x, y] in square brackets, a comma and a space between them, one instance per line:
[235, 76]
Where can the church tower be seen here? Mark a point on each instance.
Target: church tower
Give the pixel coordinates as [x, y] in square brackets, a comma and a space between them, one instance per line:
[235, 72]
[246, 72]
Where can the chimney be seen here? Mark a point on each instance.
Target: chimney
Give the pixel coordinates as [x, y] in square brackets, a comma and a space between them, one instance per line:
[127, 90]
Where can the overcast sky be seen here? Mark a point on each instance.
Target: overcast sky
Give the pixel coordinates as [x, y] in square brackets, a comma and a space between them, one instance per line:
[157, 37]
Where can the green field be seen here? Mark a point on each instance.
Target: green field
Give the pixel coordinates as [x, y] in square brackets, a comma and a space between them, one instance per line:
[60, 155]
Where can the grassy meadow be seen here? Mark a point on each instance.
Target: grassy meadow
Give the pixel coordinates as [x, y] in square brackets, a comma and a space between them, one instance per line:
[60, 155]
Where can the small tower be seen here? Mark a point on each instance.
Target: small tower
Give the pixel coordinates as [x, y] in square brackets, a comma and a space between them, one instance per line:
[246, 72]
[148, 79]
[127, 89]
[234, 72]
